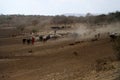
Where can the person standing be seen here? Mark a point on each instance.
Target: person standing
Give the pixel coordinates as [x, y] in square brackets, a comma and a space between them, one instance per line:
[33, 40]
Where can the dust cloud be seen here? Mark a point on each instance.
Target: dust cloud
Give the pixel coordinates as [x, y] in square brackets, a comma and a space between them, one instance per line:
[85, 32]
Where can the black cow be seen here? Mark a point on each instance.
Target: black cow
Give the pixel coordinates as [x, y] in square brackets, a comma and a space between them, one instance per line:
[24, 41]
[114, 36]
[28, 41]
[41, 38]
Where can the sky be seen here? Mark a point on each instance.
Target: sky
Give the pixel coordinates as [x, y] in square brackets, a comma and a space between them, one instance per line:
[57, 7]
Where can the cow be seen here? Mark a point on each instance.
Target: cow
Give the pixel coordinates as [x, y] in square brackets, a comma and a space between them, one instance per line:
[24, 41]
[114, 36]
[28, 41]
[41, 38]
[45, 38]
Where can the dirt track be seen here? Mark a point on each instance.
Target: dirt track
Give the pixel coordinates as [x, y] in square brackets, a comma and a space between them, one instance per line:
[59, 60]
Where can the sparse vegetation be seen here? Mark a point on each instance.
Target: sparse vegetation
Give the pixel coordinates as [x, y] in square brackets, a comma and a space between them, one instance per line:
[104, 64]
[34, 30]
[62, 20]
[41, 21]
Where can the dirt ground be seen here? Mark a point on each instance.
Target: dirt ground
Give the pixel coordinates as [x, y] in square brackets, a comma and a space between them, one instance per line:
[56, 60]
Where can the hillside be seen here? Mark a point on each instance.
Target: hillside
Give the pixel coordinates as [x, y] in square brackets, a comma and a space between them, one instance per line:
[19, 24]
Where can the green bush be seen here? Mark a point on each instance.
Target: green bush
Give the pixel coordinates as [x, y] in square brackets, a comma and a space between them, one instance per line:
[34, 30]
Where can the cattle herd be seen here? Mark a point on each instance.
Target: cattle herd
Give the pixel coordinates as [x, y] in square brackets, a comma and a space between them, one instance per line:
[28, 40]
[41, 38]
[44, 38]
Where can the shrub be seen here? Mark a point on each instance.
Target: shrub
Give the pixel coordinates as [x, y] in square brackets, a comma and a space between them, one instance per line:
[34, 30]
